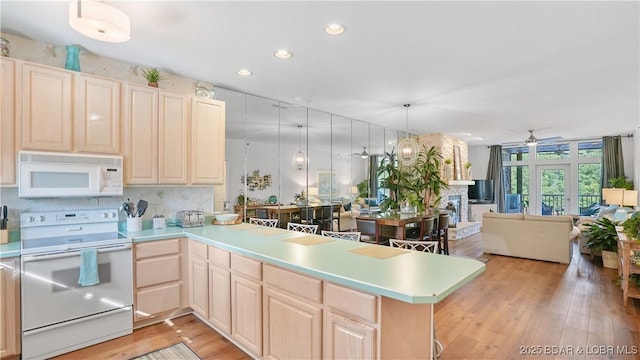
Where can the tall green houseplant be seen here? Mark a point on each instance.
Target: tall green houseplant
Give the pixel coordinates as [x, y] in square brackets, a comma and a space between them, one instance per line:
[427, 182]
[391, 179]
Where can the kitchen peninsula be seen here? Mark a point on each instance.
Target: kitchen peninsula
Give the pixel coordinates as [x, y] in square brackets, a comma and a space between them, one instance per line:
[338, 299]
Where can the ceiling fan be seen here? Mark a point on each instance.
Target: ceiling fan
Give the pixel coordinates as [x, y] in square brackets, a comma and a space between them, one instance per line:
[364, 154]
[532, 140]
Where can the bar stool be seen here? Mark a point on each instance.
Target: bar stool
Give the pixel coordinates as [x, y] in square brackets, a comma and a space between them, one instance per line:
[442, 233]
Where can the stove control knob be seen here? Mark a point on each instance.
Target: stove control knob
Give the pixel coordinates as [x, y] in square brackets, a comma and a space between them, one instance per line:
[42, 218]
[32, 219]
[105, 215]
[113, 215]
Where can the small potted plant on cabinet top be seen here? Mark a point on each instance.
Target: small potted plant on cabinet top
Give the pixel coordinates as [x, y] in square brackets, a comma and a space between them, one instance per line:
[603, 240]
[153, 76]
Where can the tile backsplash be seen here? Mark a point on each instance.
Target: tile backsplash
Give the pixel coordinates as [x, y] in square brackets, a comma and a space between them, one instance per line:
[162, 200]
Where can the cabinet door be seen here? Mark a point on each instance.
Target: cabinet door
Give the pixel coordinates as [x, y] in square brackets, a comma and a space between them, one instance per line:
[8, 118]
[46, 108]
[246, 313]
[157, 299]
[346, 339]
[97, 117]
[9, 307]
[140, 117]
[301, 338]
[172, 140]
[220, 298]
[199, 286]
[207, 141]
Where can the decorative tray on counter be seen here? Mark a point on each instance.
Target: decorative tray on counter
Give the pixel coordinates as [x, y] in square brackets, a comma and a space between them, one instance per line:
[229, 222]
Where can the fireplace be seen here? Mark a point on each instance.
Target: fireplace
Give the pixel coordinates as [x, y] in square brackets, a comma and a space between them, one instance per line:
[456, 201]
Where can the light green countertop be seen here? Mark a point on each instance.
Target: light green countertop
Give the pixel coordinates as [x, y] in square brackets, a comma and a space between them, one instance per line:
[412, 277]
[12, 248]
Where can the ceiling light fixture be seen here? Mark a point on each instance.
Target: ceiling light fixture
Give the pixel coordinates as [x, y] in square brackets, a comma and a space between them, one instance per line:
[283, 54]
[299, 157]
[531, 140]
[408, 148]
[334, 29]
[243, 72]
[99, 21]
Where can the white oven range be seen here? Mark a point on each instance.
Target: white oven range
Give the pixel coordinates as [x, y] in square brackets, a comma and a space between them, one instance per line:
[58, 314]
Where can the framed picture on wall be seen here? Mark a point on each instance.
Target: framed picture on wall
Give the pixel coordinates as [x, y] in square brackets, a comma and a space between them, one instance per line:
[327, 182]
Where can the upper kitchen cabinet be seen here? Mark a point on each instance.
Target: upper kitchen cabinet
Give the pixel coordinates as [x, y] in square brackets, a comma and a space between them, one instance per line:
[155, 136]
[8, 115]
[207, 141]
[97, 115]
[46, 108]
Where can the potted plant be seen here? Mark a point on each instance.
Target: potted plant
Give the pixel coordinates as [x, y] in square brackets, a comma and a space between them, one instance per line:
[391, 177]
[621, 182]
[448, 169]
[153, 76]
[631, 227]
[603, 237]
[467, 167]
[425, 178]
[300, 198]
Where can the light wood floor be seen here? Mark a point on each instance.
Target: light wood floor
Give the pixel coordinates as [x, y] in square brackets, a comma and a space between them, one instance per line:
[515, 306]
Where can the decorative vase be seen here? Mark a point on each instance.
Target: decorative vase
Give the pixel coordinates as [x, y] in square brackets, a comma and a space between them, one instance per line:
[73, 58]
[469, 174]
[448, 172]
[153, 84]
[4, 47]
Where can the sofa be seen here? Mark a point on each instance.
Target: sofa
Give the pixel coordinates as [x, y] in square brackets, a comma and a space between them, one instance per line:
[547, 238]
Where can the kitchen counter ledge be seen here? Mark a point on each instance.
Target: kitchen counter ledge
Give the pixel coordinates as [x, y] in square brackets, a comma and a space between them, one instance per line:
[412, 277]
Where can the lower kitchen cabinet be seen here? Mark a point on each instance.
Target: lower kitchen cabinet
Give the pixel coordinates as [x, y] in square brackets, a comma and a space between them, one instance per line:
[159, 279]
[246, 300]
[220, 289]
[9, 307]
[348, 339]
[199, 278]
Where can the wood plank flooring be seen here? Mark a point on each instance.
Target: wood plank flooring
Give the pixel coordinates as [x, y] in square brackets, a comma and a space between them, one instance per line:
[516, 309]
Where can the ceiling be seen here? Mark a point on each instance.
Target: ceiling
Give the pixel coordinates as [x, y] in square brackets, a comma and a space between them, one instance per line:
[483, 71]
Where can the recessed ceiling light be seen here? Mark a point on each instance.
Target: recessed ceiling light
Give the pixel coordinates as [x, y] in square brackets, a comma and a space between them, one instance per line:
[243, 72]
[300, 98]
[334, 29]
[283, 54]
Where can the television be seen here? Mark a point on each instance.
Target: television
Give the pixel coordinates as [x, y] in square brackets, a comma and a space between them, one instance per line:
[481, 192]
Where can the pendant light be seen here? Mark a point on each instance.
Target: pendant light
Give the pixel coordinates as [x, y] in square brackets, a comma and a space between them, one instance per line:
[408, 147]
[99, 21]
[299, 156]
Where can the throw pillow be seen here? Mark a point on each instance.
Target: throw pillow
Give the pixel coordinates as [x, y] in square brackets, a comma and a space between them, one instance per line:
[347, 207]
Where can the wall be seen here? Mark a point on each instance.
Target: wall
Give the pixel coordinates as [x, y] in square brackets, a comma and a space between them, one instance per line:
[162, 200]
[479, 158]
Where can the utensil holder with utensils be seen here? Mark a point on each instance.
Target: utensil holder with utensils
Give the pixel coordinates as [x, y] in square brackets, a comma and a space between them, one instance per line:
[134, 224]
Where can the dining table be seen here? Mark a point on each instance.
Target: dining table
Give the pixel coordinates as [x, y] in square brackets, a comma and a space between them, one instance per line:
[397, 220]
[287, 213]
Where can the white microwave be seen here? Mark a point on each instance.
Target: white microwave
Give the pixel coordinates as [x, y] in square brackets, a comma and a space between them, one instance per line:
[50, 174]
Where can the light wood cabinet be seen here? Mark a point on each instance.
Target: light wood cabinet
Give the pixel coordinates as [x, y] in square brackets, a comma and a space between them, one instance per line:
[220, 289]
[9, 307]
[155, 136]
[199, 278]
[348, 339]
[159, 278]
[246, 300]
[301, 338]
[97, 116]
[9, 87]
[625, 268]
[46, 108]
[207, 141]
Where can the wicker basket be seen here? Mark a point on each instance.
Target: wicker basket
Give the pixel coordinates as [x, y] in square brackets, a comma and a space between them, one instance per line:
[610, 259]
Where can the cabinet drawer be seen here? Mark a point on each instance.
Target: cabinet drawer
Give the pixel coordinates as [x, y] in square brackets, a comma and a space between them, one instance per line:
[157, 248]
[157, 300]
[246, 266]
[157, 270]
[297, 284]
[219, 257]
[351, 302]
[198, 249]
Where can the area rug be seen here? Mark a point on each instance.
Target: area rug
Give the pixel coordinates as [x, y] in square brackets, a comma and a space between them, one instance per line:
[175, 352]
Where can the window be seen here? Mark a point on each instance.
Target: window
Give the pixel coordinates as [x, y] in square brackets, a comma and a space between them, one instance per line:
[552, 152]
[515, 153]
[590, 149]
[517, 182]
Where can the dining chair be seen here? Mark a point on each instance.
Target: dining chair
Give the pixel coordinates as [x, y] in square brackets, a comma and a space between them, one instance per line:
[335, 215]
[305, 228]
[442, 233]
[368, 230]
[264, 222]
[416, 245]
[262, 214]
[307, 215]
[324, 217]
[346, 235]
[426, 227]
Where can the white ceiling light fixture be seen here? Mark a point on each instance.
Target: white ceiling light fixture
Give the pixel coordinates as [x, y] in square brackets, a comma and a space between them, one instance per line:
[243, 72]
[283, 54]
[99, 21]
[408, 148]
[334, 29]
[531, 140]
[299, 157]
[364, 153]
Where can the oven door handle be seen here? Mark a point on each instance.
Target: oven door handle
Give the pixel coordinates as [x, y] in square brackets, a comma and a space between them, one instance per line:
[29, 258]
